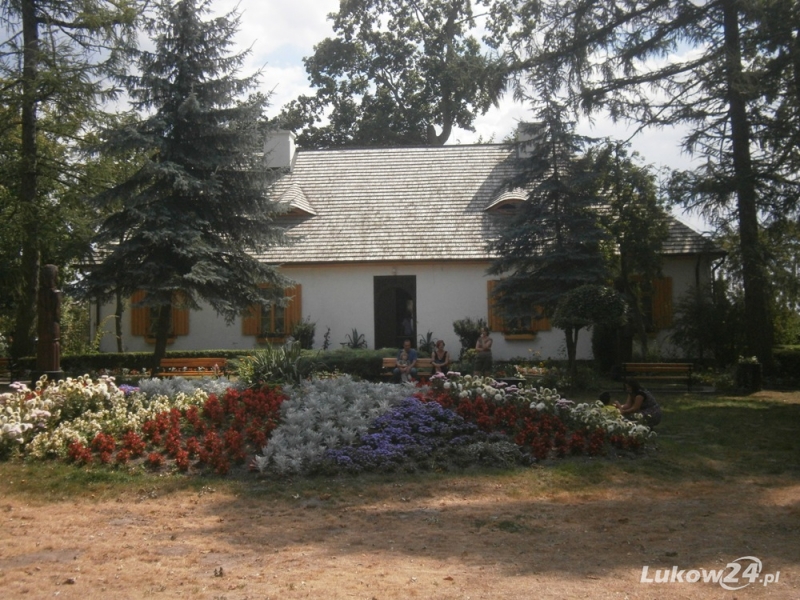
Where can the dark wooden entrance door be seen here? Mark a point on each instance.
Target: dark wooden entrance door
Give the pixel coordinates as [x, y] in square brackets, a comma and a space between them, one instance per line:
[395, 310]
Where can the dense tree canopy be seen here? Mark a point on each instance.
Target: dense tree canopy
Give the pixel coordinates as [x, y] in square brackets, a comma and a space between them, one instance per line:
[398, 72]
[636, 220]
[554, 242]
[587, 306]
[661, 63]
[188, 224]
[53, 65]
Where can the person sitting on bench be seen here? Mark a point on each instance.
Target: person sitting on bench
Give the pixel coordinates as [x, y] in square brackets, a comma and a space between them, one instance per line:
[410, 369]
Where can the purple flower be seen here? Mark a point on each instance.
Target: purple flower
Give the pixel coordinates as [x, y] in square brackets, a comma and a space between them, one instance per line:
[412, 435]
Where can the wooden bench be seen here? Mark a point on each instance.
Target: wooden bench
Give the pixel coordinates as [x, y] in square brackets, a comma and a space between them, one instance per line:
[679, 372]
[192, 367]
[424, 367]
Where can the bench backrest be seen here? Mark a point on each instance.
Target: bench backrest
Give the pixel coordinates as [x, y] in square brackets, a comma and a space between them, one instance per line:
[422, 363]
[657, 367]
[208, 363]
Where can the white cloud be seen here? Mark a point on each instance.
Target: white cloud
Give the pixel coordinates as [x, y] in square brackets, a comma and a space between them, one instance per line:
[280, 32]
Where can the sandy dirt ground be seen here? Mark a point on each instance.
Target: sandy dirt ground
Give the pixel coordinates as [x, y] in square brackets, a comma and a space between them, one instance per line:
[451, 537]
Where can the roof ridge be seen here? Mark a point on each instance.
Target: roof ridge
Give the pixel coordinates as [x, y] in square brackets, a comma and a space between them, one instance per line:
[399, 148]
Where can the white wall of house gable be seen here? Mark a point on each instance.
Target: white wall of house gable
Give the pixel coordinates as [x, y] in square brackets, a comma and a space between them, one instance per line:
[340, 297]
[686, 272]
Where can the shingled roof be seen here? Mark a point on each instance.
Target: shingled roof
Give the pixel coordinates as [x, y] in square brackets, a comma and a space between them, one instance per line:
[404, 204]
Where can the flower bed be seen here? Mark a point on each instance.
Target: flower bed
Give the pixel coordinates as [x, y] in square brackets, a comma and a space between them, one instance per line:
[321, 425]
[84, 421]
[539, 420]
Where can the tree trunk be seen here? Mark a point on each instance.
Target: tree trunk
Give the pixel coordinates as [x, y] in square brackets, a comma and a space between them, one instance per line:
[119, 310]
[23, 343]
[758, 324]
[163, 323]
[571, 335]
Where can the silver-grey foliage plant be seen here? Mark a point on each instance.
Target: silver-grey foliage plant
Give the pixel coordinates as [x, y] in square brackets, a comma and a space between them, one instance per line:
[324, 413]
[171, 387]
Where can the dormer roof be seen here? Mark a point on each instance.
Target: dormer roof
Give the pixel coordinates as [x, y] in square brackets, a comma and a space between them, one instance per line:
[296, 201]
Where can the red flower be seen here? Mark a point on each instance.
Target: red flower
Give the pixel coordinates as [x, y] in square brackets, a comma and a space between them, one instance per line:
[182, 460]
[192, 446]
[103, 443]
[133, 443]
[79, 454]
[154, 460]
[123, 456]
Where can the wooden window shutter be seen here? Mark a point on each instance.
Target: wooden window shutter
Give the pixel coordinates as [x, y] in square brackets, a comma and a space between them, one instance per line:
[662, 303]
[251, 320]
[293, 313]
[180, 316]
[540, 324]
[495, 320]
[140, 315]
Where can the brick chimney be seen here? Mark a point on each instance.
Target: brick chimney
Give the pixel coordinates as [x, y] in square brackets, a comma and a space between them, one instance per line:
[279, 150]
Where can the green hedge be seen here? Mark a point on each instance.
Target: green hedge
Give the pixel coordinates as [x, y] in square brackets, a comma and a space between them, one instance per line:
[81, 364]
[364, 364]
[787, 362]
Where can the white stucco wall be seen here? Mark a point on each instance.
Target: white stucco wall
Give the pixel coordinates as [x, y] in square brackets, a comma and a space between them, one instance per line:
[685, 272]
[341, 297]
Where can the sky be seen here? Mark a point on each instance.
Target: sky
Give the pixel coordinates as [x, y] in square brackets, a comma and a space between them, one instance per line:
[281, 33]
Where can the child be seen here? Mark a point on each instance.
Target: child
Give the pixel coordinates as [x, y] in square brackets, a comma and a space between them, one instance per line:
[608, 406]
[403, 365]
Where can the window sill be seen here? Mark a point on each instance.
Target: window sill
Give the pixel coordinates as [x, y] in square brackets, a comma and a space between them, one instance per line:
[152, 340]
[272, 339]
[519, 336]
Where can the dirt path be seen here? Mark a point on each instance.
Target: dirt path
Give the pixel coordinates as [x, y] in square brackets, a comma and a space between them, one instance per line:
[450, 537]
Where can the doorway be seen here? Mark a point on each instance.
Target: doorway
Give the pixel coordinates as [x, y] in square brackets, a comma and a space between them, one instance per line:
[395, 310]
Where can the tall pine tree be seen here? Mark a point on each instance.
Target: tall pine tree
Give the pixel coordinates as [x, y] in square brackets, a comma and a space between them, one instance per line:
[725, 69]
[55, 59]
[554, 244]
[191, 220]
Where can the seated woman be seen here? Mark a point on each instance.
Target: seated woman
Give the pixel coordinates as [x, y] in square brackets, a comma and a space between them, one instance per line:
[640, 401]
[440, 359]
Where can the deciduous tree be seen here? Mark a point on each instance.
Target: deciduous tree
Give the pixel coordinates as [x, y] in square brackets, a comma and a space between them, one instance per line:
[398, 72]
[585, 306]
[636, 219]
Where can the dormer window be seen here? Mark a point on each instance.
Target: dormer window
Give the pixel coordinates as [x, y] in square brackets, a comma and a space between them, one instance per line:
[508, 202]
[296, 202]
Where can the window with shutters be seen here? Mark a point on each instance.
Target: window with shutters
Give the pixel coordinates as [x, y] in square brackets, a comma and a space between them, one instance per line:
[524, 327]
[271, 322]
[658, 305]
[143, 318]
